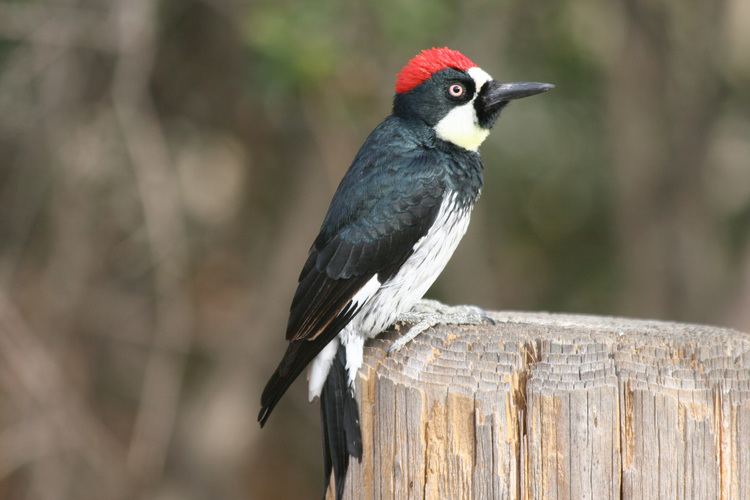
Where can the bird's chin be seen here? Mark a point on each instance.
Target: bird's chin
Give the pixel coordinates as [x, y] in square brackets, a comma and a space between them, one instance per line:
[488, 115]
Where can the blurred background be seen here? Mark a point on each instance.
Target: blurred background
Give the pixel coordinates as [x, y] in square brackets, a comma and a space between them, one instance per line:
[164, 166]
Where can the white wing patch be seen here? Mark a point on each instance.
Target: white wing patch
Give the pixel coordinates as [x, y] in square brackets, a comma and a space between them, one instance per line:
[364, 293]
[321, 365]
[461, 125]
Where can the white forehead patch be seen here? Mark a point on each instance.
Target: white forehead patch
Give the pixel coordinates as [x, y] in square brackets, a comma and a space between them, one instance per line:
[461, 125]
[479, 76]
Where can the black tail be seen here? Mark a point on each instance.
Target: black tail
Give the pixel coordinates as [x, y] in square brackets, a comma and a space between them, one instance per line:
[340, 420]
[296, 358]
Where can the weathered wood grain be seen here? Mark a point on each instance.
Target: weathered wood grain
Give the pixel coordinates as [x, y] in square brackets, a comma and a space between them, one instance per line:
[558, 407]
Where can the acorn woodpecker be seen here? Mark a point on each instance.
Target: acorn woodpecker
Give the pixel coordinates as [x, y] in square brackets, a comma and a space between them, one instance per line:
[393, 224]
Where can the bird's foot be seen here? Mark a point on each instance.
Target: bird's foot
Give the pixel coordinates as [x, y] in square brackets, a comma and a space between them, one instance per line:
[429, 313]
[417, 327]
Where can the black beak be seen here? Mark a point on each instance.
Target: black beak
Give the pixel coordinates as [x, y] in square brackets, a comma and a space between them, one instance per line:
[495, 95]
[495, 92]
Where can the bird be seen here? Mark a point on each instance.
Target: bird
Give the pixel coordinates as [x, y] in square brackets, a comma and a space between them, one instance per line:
[395, 220]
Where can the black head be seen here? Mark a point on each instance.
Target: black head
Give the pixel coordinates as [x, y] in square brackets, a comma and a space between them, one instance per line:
[436, 97]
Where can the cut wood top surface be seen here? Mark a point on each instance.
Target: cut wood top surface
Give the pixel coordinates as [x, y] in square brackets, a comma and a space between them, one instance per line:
[474, 357]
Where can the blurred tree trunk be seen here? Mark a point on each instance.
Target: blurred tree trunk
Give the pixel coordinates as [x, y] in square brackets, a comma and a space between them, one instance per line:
[663, 102]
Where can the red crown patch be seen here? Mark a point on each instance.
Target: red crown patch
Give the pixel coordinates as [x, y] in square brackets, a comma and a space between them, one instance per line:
[428, 62]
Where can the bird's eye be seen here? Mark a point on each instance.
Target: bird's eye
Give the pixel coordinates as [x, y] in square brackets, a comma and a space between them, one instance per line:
[456, 90]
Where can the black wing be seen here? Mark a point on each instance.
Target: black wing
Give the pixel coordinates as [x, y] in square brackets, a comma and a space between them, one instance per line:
[373, 245]
[384, 205]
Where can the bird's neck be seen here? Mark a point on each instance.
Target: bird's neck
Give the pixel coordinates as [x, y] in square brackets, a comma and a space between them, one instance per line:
[461, 169]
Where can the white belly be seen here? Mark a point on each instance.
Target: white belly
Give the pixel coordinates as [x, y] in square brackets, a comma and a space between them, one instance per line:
[397, 295]
[431, 254]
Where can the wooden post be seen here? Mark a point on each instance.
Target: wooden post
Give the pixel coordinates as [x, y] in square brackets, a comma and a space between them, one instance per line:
[556, 406]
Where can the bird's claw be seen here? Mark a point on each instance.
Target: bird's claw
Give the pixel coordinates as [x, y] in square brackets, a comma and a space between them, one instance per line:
[429, 313]
[422, 323]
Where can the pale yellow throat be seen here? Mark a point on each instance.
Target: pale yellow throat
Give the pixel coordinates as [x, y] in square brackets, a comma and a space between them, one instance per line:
[461, 125]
